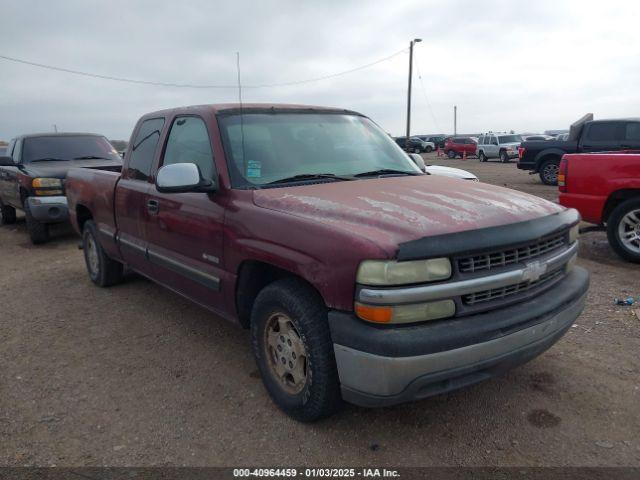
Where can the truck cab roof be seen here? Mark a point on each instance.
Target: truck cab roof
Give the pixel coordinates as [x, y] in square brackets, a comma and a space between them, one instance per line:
[236, 108]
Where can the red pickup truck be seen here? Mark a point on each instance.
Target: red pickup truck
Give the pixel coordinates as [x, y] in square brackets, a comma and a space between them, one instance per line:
[361, 278]
[605, 189]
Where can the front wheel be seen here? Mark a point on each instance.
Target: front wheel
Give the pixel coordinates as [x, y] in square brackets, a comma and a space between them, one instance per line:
[549, 172]
[504, 158]
[451, 154]
[38, 231]
[293, 349]
[103, 271]
[623, 230]
[7, 215]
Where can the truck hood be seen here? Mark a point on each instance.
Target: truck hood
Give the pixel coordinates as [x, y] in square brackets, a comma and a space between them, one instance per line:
[393, 210]
[450, 172]
[59, 169]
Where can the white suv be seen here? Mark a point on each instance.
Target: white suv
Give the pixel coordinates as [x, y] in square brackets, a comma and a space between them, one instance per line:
[498, 145]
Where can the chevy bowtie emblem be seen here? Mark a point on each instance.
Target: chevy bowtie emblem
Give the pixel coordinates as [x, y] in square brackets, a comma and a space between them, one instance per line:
[533, 271]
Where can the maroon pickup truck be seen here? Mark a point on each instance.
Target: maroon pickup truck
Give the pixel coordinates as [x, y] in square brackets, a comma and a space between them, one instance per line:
[361, 278]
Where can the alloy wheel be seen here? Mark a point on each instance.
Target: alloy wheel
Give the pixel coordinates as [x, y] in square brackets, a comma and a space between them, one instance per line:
[629, 231]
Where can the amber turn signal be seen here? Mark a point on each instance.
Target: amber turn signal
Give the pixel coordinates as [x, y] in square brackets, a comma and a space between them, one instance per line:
[373, 313]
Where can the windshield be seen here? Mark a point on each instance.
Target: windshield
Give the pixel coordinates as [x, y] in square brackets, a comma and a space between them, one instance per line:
[67, 147]
[510, 138]
[265, 148]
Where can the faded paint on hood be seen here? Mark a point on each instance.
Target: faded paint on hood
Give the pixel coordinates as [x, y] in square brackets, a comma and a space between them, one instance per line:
[393, 210]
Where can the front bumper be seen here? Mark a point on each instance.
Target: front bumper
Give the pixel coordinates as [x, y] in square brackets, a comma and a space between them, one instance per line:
[381, 366]
[49, 209]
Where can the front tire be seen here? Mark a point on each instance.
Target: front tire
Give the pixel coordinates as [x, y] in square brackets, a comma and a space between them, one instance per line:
[451, 154]
[7, 215]
[549, 171]
[103, 271]
[623, 230]
[38, 232]
[293, 349]
[504, 158]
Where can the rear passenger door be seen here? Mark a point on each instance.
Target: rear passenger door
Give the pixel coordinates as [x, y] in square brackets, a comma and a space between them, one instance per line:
[185, 233]
[602, 136]
[132, 195]
[491, 146]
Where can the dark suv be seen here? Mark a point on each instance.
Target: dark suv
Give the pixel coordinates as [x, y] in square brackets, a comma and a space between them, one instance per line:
[415, 144]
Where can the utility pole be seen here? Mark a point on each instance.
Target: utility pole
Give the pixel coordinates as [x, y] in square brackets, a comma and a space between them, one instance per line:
[415, 40]
[455, 119]
[55, 128]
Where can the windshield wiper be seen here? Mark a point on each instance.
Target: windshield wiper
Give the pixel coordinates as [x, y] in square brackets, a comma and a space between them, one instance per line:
[309, 176]
[49, 159]
[91, 157]
[386, 171]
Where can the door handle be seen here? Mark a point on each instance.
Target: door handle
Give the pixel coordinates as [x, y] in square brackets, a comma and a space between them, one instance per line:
[153, 206]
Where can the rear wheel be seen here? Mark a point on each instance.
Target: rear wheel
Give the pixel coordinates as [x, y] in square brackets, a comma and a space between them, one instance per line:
[623, 230]
[38, 231]
[428, 149]
[416, 150]
[103, 271]
[504, 158]
[549, 171]
[451, 154]
[7, 215]
[482, 157]
[293, 349]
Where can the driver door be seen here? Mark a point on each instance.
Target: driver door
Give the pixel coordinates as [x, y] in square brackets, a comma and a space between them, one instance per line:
[185, 231]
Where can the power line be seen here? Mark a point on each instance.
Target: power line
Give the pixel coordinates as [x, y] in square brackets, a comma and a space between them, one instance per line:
[186, 85]
[424, 92]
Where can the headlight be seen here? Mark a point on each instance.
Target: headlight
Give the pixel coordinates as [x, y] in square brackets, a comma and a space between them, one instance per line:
[574, 233]
[46, 183]
[418, 312]
[47, 186]
[391, 272]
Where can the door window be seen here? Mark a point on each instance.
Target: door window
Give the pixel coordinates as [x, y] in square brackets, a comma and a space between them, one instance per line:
[144, 149]
[602, 131]
[189, 143]
[632, 132]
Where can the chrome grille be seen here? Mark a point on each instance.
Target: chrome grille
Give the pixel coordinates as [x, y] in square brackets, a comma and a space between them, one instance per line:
[502, 258]
[502, 292]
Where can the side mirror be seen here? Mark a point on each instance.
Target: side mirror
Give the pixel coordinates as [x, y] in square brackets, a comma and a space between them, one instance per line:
[7, 162]
[182, 177]
[419, 161]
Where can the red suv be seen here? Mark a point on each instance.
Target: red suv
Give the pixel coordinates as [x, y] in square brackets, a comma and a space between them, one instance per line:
[459, 145]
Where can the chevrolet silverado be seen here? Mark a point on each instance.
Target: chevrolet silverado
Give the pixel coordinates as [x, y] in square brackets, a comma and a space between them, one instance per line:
[360, 277]
[33, 171]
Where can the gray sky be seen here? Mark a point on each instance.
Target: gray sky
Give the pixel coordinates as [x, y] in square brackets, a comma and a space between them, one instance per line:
[522, 65]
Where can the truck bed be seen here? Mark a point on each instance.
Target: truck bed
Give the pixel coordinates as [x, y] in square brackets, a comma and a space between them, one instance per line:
[94, 189]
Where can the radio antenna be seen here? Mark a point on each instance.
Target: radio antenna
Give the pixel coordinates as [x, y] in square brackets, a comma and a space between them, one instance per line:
[244, 158]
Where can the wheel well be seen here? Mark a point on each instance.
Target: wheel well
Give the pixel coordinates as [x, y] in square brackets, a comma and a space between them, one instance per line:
[615, 199]
[23, 195]
[253, 276]
[82, 215]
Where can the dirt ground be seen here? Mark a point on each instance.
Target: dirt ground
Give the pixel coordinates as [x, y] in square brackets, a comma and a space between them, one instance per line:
[135, 375]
